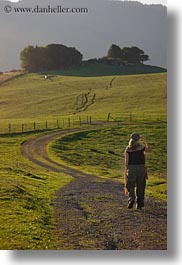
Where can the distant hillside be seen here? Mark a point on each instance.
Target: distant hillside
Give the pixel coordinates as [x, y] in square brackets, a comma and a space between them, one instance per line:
[96, 69]
[31, 96]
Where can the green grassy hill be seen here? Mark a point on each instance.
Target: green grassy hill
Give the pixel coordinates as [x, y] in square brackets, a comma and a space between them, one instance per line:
[32, 96]
[97, 69]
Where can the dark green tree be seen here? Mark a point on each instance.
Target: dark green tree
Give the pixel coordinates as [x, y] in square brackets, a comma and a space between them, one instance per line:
[74, 57]
[26, 57]
[56, 56]
[127, 54]
[51, 57]
[34, 59]
[144, 58]
[134, 55]
[114, 52]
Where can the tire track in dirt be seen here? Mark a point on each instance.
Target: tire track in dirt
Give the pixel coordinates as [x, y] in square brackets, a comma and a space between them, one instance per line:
[83, 101]
[91, 212]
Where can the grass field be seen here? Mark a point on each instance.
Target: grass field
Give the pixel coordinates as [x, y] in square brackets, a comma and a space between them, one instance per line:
[31, 97]
[102, 152]
[26, 189]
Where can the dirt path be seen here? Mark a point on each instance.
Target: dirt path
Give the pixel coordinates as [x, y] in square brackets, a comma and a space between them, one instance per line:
[4, 77]
[91, 212]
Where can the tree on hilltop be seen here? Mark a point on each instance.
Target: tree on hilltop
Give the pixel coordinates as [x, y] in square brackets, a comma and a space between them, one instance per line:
[127, 54]
[33, 59]
[51, 57]
[134, 55]
[114, 52]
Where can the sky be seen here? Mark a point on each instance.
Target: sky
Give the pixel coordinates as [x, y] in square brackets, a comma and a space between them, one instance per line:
[163, 2]
[143, 30]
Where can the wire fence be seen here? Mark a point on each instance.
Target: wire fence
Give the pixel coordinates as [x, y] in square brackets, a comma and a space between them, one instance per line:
[76, 121]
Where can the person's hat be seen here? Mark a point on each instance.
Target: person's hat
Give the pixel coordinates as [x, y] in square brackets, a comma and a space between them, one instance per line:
[135, 136]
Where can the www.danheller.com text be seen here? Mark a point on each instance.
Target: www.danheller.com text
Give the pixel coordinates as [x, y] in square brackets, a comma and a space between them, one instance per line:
[49, 10]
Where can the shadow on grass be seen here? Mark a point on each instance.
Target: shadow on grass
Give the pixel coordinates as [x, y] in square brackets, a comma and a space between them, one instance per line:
[95, 70]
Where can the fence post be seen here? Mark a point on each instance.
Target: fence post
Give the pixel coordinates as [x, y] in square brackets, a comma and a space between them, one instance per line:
[90, 120]
[9, 128]
[80, 121]
[130, 116]
[69, 122]
[108, 117]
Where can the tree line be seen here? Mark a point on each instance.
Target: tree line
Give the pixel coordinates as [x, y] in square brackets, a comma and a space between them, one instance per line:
[127, 54]
[50, 57]
[58, 57]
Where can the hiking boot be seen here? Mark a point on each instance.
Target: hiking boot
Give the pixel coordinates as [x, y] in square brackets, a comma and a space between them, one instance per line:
[138, 207]
[130, 205]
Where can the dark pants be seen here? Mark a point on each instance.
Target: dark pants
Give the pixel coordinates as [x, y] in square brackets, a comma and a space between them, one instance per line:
[136, 178]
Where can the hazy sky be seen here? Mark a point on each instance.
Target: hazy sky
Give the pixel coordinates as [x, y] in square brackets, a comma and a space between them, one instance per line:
[163, 2]
[142, 26]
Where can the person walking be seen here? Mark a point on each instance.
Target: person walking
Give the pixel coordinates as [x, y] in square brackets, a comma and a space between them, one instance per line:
[135, 170]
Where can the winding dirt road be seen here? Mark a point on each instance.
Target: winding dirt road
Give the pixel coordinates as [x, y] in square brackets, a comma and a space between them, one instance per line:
[91, 212]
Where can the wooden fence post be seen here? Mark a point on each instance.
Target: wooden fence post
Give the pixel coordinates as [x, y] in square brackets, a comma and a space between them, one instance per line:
[9, 128]
[108, 117]
[80, 121]
[130, 116]
[69, 122]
